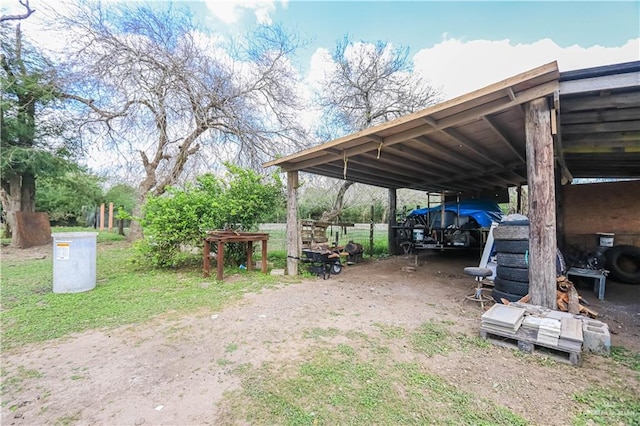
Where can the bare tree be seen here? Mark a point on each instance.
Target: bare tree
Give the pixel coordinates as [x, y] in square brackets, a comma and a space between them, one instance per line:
[369, 84]
[160, 90]
[20, 16]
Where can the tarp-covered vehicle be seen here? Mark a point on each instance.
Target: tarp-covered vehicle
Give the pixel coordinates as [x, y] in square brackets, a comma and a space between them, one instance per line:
[458, 224]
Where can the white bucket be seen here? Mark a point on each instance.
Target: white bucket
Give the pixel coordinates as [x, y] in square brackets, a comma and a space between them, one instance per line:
[606, 239]
[418, 234]
[74, 261]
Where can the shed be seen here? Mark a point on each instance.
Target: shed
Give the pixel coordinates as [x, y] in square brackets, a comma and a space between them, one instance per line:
[542, 128]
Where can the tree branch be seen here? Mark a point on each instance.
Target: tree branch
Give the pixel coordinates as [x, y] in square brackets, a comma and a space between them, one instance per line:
[25, 15]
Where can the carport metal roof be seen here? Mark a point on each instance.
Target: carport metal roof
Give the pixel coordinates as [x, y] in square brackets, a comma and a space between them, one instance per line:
[476, 142]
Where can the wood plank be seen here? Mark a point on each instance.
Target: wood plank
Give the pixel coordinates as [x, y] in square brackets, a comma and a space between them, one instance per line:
[618, 100]
[293, 232]
[548, 71]
[366, 174]
[615, 126]
[471, 145]
[600, 116]
[494, 127]
[542, 227]
[395, 158]
[408, 152]
[601, 83]
[603, 137]
[448, 152]
[300, 160]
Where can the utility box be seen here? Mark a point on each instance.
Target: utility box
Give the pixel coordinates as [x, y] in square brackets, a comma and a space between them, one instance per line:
[74, 261]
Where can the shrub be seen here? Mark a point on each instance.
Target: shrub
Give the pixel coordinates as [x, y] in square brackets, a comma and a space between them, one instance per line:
[175, 224]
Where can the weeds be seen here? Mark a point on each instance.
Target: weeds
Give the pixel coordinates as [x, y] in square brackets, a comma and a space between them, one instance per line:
[607, 406]
[337, 386]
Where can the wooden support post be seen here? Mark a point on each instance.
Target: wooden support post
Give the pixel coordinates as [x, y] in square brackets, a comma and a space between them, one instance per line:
[519, 200]
[206, 261]
[220, 262]
[560, 240]
[264, 256]
[293, 237]
[393, 199]
[102, 217]
[110, 217]
[542, 205]
[249, 255]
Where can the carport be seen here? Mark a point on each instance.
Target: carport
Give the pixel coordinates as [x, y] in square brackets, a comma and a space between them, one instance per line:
[542, 128]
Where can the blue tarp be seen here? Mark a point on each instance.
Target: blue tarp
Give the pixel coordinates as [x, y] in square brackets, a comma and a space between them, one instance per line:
[483, 211]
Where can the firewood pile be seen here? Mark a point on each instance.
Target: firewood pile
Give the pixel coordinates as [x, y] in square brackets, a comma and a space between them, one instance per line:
[567, 299]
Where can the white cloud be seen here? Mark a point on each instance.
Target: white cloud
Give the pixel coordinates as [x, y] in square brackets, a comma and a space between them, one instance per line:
[230, 11]
[462, 66]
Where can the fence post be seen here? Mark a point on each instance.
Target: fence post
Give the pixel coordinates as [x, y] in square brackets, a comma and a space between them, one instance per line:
[102, 217]
[110, 216]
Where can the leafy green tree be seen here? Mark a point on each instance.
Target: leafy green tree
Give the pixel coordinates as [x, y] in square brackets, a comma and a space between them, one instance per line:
[180, 218]
[122, 195]
[33, 134]
[70, 198]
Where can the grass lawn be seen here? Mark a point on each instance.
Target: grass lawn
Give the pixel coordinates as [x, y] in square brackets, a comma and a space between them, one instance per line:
[124, 294]
[354, 381]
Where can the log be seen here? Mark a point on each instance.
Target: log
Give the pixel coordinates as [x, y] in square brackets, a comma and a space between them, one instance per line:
[562, 296]
[562, 306]
[542, 202]
[588, 312]
[574, 303]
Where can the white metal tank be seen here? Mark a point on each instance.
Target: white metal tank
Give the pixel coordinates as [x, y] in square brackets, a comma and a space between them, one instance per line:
[74, 261]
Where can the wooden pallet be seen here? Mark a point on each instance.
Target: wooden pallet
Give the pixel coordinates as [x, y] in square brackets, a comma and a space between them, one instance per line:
[526, 341]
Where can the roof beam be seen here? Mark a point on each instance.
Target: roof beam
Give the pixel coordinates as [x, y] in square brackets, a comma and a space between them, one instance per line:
[367, 172]
[461, 118]
[357, 177]
[447, 152]
[493, 126]
[471, 145]
[475, 175]
[398, 162]
[420, 156]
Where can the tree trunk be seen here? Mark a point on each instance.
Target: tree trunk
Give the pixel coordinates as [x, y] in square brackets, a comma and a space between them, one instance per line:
[542, 204]
[18, 194]
[135, 229]
[330, 215]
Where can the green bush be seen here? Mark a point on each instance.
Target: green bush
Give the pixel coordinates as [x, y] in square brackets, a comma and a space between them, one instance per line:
[175, 224]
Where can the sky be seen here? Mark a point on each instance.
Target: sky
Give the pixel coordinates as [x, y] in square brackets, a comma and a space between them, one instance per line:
[458, 46]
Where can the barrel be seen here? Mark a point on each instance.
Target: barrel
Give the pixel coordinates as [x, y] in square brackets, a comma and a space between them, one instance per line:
[74, 261]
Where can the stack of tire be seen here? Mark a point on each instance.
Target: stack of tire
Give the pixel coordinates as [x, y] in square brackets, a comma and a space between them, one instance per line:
[511, 245]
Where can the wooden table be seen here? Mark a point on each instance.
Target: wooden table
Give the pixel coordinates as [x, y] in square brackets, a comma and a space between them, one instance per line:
[222, 237]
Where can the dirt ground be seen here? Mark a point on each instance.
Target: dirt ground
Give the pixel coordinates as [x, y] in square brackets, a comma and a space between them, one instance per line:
[165, 371]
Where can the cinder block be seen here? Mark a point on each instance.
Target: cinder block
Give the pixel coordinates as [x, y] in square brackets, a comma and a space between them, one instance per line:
[596, 336]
